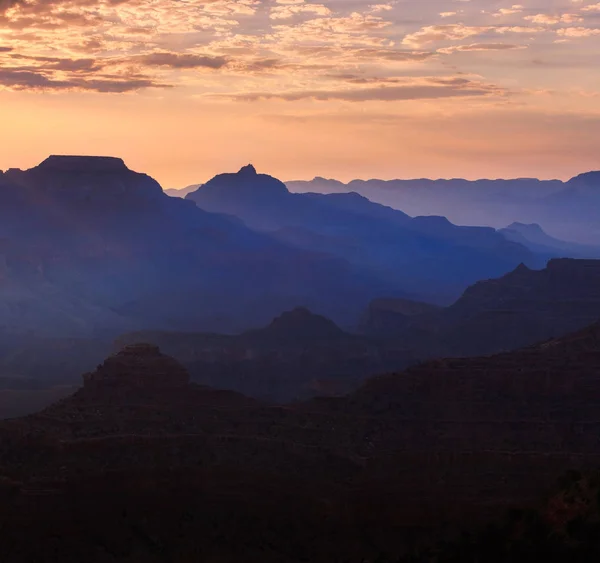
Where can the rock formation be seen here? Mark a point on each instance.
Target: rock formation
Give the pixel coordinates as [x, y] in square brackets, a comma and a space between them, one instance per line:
[138, 365]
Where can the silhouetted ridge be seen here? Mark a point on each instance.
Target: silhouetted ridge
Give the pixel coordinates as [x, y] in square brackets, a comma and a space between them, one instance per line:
[242, 185]
[588, 178]
[566, 210]
[138, 365]
[68, 163]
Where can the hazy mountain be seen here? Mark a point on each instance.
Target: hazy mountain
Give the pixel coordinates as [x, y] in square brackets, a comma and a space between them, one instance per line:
[86, 245]
[145, 465]
[538, 241]
[182, 192]
[427, 257]
[567, 210]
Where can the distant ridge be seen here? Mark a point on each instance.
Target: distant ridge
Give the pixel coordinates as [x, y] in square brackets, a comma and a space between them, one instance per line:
[566, 210]
[182, 192]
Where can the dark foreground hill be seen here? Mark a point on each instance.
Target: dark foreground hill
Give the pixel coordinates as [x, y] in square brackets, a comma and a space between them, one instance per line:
[140, 465]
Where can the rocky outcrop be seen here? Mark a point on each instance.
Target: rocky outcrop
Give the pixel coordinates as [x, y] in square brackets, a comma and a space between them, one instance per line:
[138, 365]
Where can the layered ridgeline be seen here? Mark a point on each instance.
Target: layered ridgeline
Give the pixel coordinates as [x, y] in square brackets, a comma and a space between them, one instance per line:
[427, 257]
[300, 354]
[141, 464]
[537, 240]
[87, 246]
[297, 356]
[567, 210]
[521, 308]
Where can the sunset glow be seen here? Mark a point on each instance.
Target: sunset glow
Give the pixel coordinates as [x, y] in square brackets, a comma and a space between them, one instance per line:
[184, 89]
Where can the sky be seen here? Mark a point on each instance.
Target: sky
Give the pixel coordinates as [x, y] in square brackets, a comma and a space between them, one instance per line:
[185, 89]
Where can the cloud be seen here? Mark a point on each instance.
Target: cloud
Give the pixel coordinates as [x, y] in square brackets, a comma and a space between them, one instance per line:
[549, 19]
[435, 88]
[24, 79]
[182, 60]
[449, 32]
[481, 47]
[233, 46]
[290, 10]
[578, 32]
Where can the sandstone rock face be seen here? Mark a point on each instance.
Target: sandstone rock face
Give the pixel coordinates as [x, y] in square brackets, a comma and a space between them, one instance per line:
[138, 365]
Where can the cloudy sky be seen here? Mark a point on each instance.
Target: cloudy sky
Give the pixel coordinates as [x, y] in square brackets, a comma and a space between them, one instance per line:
[184, 89]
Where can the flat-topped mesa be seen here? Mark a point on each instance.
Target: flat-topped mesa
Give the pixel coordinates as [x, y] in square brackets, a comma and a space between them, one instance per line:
[138, 366]
[86, 181]
[71, 163]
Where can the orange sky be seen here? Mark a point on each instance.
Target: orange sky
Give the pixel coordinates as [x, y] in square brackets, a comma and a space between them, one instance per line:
[184, 89]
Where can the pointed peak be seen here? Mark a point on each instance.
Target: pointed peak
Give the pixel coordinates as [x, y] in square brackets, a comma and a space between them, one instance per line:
[521, 269]
[247, 170]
